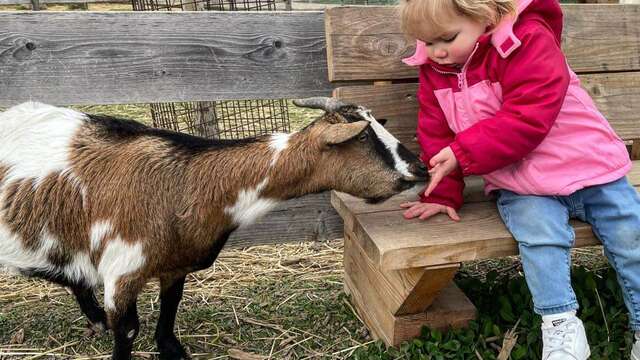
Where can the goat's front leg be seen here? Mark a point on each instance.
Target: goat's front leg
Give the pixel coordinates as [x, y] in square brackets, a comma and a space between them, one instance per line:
[125, 330]
[171, 294]
[90, 307]
[122, 313]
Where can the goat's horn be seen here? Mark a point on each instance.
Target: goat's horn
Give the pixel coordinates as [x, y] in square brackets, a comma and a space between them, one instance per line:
[324, 103]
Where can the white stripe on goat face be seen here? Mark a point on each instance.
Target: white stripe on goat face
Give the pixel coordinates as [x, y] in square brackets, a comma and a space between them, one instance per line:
[389, 141]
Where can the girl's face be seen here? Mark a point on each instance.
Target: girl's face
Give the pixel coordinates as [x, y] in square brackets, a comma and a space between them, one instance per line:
[456, 43]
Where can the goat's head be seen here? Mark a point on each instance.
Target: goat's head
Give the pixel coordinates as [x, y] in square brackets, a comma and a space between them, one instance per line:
[359, 156]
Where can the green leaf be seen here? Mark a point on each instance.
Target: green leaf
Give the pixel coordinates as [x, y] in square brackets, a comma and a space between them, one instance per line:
[519, 352]
[436, 335]
[497, 331]
[453, 345]
[487, 328]
[532, 337]
[507, 315]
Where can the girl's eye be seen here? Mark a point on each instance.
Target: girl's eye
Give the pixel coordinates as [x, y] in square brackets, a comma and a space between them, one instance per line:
[450, 38]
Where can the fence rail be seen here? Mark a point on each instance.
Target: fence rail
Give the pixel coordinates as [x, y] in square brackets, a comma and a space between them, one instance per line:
[137, 57]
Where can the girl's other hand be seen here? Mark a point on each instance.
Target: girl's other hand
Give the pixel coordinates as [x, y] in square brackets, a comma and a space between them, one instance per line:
[426, 210]
[441, 165]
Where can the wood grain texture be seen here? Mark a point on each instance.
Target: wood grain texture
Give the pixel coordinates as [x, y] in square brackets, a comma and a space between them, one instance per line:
[133, 57]
[450, 309]
[393, 242]
[403, 292]
[367, 44]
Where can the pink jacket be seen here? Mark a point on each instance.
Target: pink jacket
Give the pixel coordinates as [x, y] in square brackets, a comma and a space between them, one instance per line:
[516, 114]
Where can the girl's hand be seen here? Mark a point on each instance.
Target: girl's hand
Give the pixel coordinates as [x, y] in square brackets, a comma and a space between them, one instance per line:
[441, 165]
[426, 210]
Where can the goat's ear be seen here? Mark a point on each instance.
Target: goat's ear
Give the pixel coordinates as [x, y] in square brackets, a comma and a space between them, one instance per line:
[338, 133]
[382, 121]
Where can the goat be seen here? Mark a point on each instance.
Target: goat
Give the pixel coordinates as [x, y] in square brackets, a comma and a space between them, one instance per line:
[90, 200]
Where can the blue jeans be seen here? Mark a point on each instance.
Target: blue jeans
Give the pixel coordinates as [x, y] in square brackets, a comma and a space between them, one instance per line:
[540, 224]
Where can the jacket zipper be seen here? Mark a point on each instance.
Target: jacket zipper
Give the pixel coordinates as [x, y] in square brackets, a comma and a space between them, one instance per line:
[462, 80]
[463, 85]
[462, 74]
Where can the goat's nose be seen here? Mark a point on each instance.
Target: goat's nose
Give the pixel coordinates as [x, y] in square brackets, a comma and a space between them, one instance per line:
[421, 170]
[418, 172]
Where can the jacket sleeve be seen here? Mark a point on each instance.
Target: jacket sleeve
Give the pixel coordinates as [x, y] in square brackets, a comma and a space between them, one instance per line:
[434, 134]
[534, 83]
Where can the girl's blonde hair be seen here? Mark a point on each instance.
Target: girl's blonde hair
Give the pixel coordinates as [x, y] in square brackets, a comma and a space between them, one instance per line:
[436, 14]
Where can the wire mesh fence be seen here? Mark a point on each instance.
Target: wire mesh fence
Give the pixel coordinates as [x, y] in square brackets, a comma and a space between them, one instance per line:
[235, 119]
[203, 5]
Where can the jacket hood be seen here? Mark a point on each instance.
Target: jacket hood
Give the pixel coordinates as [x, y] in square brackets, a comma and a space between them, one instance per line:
[503, 37]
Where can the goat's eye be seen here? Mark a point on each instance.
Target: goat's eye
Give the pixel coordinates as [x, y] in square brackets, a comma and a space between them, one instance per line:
[363, 137]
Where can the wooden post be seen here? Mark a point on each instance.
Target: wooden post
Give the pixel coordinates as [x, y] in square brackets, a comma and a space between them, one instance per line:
[396, 304]
[35, 5]
[635, 149]
[206, 119]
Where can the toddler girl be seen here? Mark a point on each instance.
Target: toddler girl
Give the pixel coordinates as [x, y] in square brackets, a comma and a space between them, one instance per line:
[498, 99]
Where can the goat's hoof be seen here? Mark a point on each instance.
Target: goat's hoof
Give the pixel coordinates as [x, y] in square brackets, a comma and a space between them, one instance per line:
[92, 329]
[171, 349]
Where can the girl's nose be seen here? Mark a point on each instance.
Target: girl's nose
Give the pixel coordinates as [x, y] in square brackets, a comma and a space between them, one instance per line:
[440, 53]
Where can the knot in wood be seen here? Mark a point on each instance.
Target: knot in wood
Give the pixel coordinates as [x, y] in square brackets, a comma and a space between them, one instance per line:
[388, 46]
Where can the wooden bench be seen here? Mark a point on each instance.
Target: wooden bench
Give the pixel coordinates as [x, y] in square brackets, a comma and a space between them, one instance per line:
[399, 272]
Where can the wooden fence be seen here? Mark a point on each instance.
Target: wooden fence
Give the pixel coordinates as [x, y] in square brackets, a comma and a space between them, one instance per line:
[130, 57]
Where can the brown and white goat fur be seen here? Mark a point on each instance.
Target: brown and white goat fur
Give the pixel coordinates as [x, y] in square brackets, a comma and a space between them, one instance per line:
[89, 201]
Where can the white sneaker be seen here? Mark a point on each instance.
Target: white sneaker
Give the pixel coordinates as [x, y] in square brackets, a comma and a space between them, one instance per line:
[564, 338]
[635, 350]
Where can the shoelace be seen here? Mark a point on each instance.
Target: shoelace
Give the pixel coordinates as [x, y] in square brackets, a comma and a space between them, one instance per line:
[560, 338]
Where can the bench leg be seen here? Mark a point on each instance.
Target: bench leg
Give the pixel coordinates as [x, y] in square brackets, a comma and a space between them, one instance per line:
[396, 304]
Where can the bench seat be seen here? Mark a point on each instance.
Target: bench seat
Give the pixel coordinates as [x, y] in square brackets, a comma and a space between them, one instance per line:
[393, 242]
